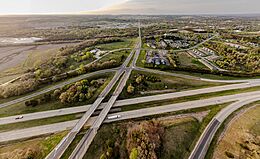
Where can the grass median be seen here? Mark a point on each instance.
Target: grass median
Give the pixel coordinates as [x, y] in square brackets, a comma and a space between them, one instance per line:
[187, 98]
[39, 122]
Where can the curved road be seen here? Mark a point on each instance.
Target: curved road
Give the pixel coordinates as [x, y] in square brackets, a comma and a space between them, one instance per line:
[203, 143]
[60, 85]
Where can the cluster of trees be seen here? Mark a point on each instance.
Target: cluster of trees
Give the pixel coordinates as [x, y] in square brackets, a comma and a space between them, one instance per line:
[54, 66]
[53, 69]
[78, 92]
[109, 150]
[144, 140]
[26, 84]
[236, 59]
[62, 60]
[29, 83]
[42, 99]
[173, 60]
[242, 38]
[79, 34]
[130, 89]
[97, 66]
[73, 93]
[140, 83]
[82, 56]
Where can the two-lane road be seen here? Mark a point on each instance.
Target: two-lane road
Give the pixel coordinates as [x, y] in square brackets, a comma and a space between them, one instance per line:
[203, 143]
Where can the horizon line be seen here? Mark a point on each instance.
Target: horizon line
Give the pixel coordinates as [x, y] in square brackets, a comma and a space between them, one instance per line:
[143, 14]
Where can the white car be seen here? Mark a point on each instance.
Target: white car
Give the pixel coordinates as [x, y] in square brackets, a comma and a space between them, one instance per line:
[19, 117]
[113, 117]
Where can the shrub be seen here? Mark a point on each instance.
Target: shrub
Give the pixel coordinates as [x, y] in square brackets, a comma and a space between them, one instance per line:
[146, 138]
[229, 154]
[18, 88]
[139, 79]
[32, 103]
[130, 89]
[134, 154]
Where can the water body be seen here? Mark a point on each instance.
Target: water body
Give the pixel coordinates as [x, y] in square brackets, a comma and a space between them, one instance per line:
[19, 40]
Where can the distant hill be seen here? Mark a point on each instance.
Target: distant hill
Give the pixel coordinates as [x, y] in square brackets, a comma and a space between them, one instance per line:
[182, 7]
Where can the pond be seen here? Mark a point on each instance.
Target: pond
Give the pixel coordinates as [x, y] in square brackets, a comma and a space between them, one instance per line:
[4, 40]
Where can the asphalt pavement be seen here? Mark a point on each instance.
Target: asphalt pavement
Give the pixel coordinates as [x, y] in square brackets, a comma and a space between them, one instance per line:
[119, 103]
[87, 139]
[52, 128]
[67, 140]
[207, 136]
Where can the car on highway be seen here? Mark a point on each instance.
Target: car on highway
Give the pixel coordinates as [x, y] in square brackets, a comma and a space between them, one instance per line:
[114, 117]
[19, 117]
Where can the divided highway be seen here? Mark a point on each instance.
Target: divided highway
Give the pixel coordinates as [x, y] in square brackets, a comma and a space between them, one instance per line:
[119, 103]
[87, 139]
[52, 128]
[121, 76]
[67, 140]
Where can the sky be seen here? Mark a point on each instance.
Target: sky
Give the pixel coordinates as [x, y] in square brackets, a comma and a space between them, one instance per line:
[129, 6]
[53, 6]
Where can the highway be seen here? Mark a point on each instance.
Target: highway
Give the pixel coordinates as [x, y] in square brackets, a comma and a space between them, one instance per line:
[52, 128]
[87, 139]
[121, 76]
[207, 136]
[119, 103]
[67, 140]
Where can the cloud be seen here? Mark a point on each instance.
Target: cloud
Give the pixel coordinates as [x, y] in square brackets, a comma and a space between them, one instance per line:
[53, 6]
[183, 7]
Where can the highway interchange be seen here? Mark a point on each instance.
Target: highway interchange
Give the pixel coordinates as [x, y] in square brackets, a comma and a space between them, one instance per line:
[121, 76]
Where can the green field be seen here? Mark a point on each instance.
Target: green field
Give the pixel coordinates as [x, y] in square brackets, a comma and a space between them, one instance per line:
[116, 56]
[140, 58]
[249, 124]
[127, 43]
[188, 98]
[166, 83]
[178, 138]
[34, 148]
[185, 60]
[40, 122]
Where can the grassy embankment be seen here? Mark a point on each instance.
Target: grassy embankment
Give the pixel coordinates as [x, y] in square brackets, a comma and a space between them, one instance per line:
[246, 120]
[164, 84]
